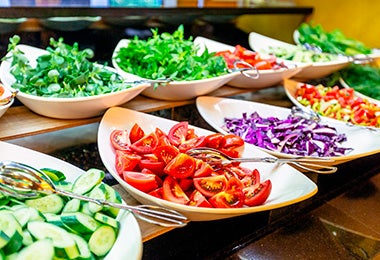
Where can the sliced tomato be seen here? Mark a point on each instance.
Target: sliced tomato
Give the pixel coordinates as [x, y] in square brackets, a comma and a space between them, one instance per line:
[155, 166]
[177, 133]
[171, 191]
[126, 161]
[136, 133]
[145, 145]
[251, 179]
[231, 141]
[159, 133]
[186, 184]
[120, 139]
[191, 133]
[156, 193]
[209, 186]
[181, 166]
[202, 169]
[198, 200]
[166, 153]
[257, 194]
[213, 140]
[231, 198]
[142, 181]
[194, 142]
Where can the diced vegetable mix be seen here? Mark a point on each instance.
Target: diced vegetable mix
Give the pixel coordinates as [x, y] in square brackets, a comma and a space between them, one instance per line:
[332, 42]
[293, 135]
[60, 227]
[300, 54]
[168, 55]
[340, 104]
[363, 78]
[65, 71]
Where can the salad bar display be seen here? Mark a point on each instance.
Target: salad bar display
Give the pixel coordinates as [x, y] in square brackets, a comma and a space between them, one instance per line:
[172, 166]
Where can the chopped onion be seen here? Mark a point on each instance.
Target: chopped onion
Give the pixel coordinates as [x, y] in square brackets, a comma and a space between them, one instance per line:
[293, 135]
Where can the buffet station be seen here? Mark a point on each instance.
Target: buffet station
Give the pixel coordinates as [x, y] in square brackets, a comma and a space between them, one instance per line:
[179, 146]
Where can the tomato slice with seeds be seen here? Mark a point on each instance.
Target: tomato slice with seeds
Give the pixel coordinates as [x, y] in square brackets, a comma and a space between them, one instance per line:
[209, 186]
[198, 200]
[257, 194]
[126, 161]
[202, 169]
[136, 133]
[177, 133]
[192, 143]
[120, 139]
[166, 153]
[171, 191]
[232, 198]
[145, 145]
[142, 181]
[181, 166]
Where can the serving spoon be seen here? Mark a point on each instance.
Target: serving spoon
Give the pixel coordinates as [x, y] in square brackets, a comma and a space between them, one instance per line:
[23, 181]
[219, 159]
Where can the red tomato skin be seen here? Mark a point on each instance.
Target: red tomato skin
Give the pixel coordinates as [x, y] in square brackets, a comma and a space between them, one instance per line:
[214, 140]
[136, 133]
[198, 200]
[192, 143]
[145, 145]
[166, 153]
[209, 186]
[231, 198]
[156, 167]
[257, 194]
[177, 133]
[181, 166]
[125, 161]
[142, 181]
[120, 139]
[156, 193]
[171, 191]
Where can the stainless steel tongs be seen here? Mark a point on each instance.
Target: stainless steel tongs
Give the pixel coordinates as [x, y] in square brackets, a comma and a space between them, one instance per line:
[23, 181]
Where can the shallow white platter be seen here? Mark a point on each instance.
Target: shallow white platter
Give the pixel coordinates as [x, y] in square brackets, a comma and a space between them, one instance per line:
[289, 186]
[345, 85]
[316, 70]
[266, 78]
[213, 110]
[177, 90]
[66, 108]
[128, 244]
[4, 108]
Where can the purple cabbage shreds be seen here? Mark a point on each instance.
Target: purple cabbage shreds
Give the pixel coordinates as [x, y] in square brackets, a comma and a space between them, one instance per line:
[293, 135]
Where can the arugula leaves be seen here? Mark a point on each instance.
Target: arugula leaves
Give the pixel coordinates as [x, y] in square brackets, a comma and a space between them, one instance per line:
[65, 71]
[169, 56]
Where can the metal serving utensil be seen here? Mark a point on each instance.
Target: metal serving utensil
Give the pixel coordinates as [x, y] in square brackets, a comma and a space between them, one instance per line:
[23, 181]
[218, 159]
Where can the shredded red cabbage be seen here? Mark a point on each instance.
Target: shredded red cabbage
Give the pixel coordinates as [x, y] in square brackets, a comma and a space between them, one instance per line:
[294, 135]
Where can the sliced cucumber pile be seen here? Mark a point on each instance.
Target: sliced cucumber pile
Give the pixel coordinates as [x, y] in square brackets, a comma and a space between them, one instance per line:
[55, 227]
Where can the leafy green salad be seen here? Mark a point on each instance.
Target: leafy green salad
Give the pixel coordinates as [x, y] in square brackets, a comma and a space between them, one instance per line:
[64, 71]
[168, 55]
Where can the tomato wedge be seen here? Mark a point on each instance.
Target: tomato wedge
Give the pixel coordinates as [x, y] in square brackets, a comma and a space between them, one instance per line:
[126, 161]
[232, 198]
[171, 191]
[177, 134]
[209, 186]
[181, 166]
[155, 166]
[194, 142]
[198, 200]
[142, 181]
[214, 140]
[136, 133]
[166, 153]
[145, 145]
[257, 194]
[120, 139]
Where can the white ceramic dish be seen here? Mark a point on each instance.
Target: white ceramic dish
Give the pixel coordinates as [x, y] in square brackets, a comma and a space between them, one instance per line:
[374, 56]
[316, 70]
[8, 25]
[4, 108]
[214, 110]
[345, 85]
[266, 78]
[69, 23]
[128, 244]
[288, 185]
[178, 90]
[66, 108]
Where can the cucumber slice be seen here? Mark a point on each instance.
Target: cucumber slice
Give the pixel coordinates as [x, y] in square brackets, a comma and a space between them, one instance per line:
[84, 249]
[27, 238]
[102, 240]
[64, 185]
[98, 192]
[88, 180]
[102, 218]
[53, 174]
[52, 203]
[24, 214]
[72, 205]
[79, 222]
[112, 196]
[41, 250]
[64, 245]
[10, 233]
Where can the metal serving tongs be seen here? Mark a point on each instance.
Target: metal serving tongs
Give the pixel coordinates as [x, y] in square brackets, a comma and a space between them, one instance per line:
[23, 181]
[150, 81]
[218, 159]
